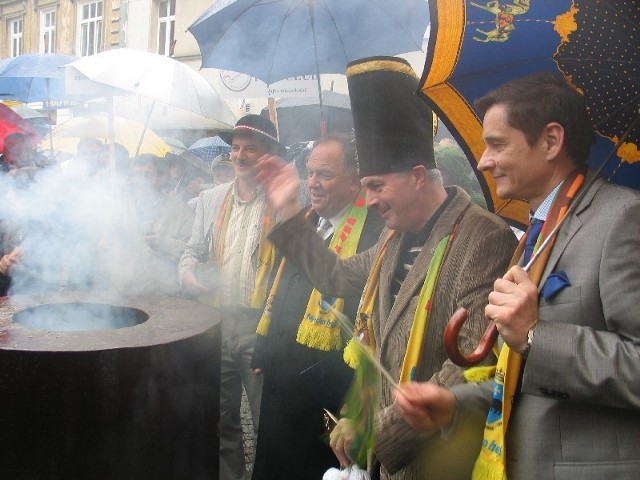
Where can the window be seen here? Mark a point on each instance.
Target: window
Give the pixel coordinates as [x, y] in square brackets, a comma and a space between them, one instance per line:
[90, 28]
[15, 37]
[48, 31]
[166, 26]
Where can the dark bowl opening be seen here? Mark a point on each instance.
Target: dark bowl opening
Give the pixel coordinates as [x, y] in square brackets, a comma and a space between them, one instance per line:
[79, 316]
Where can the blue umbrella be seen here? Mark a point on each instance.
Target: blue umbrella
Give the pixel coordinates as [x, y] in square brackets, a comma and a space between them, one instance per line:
[274, 40]
[476, 46]
[34, 77]
[208, 148]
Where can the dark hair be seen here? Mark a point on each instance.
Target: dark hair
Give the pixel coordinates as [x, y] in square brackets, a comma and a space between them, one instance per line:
[534, 101]
[348, 144]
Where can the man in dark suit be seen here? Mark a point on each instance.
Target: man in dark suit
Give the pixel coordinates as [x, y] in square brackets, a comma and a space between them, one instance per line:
[570, 325]
[301, 360]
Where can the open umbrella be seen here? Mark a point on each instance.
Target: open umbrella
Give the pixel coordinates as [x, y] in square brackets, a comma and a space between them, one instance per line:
[11, 122]
[474, 47]
[277, 40]
[298, 118]
[158, 77]
[208, 148]
[126, 132]
[34, 77]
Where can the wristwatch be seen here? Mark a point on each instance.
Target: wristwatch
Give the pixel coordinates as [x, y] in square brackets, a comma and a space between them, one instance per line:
[525, 352]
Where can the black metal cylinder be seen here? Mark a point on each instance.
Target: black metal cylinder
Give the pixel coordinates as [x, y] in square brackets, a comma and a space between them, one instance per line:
[133, 402]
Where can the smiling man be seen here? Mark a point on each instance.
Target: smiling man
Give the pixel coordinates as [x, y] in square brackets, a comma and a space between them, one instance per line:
[439, 252]
[299, 346]
[227, 263]
[567, 384]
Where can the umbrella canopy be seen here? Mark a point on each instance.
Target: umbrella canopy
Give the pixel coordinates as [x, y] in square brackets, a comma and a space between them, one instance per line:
[277, 40]
[158, 77]
[11, 122]
[473, 48]
[34, 77]
[208, 148]
[126, 132]
[298, 118]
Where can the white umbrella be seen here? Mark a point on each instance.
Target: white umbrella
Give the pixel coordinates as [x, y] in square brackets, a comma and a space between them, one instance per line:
[157, 77]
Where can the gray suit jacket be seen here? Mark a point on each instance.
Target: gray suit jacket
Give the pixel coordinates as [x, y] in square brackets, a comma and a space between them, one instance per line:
[479, 255]
[578, 413]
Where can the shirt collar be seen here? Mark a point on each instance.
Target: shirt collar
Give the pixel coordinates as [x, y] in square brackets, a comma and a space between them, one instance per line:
[544, 208]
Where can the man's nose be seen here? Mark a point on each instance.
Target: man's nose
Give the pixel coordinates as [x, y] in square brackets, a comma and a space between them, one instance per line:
[486, 162]
[371, 198]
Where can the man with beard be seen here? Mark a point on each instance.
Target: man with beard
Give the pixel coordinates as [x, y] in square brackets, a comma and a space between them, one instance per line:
[299, 346]
[227, 264]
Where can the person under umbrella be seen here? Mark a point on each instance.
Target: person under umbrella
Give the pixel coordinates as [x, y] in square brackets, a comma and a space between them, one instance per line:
[565, 401]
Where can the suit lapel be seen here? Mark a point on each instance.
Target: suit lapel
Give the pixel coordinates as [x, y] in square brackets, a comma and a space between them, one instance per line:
[568, 231]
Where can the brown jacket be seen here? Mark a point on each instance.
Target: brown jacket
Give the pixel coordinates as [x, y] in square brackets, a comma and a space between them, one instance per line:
[479, 254]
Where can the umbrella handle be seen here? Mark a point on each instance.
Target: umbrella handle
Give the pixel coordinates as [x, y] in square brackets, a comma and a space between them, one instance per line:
[451, 333]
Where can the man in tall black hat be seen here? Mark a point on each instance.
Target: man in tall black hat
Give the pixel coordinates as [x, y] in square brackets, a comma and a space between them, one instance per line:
[439, 252]
[227, 264]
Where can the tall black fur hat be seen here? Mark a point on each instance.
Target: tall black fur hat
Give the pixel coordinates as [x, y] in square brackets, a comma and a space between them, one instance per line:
[393, 126]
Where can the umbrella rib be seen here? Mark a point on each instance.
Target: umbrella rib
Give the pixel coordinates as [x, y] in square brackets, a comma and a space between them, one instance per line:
[399, 26]
[292, 6]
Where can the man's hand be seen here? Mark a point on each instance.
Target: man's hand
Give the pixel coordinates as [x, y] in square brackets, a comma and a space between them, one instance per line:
[10, 259]
[513, 307]
[282, 184]
[341, 440]
[425, 406]
[191, 283]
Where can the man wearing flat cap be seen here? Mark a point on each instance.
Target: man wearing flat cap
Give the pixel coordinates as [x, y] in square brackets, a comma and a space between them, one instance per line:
[227, 263]
[438, 252]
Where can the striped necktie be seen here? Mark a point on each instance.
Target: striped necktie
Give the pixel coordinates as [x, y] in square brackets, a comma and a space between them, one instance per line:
[325, 228]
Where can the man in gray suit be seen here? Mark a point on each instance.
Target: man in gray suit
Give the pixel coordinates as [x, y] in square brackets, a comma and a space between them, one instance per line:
[575, 411]
[394, 136]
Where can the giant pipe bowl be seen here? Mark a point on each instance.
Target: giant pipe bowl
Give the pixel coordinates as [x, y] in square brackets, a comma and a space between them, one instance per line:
[136, 402]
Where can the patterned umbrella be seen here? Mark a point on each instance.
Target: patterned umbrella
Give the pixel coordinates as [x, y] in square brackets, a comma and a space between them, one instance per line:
[208, 148]
[474, 47]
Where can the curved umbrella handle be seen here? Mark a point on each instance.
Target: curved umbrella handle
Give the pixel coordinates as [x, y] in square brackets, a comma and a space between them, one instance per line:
[451, 333]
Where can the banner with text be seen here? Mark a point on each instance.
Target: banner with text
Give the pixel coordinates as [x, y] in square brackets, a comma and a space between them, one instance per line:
[239, 85]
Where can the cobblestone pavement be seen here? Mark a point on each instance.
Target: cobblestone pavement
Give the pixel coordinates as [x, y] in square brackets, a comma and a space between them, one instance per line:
[247, 431]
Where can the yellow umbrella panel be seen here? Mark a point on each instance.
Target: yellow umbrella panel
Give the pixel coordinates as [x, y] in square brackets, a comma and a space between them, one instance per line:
[126, 132]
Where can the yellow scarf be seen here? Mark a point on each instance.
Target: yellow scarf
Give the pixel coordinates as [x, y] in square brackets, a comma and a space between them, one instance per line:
[266, 250]
[491, 463]
[319, 328]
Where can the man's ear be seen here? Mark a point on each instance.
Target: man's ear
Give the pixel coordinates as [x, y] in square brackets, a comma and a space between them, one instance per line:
[421, 175]
[553, 136]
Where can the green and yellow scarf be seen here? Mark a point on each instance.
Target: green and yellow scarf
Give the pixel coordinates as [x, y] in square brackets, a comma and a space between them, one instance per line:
[364, 324]
[491, 463]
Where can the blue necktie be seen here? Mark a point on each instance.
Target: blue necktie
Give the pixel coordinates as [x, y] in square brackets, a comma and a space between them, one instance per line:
[532, 237]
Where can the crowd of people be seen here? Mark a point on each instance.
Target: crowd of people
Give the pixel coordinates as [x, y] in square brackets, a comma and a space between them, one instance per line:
[372, 232]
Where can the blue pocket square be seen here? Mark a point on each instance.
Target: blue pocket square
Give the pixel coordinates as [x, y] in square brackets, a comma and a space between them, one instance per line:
[554, 283]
